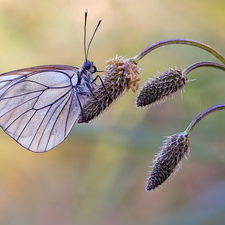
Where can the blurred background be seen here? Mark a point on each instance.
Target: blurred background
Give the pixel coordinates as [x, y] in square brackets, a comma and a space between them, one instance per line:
[97, 175]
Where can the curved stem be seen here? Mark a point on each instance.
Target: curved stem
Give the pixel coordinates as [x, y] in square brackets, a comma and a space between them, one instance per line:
[158, 44]
[202, 115]
[201, 64]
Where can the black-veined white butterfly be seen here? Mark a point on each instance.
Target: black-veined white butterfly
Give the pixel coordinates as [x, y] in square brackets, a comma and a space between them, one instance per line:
[39, 105]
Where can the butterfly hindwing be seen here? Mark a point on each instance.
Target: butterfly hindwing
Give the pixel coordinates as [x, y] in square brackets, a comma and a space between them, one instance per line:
[39, 106]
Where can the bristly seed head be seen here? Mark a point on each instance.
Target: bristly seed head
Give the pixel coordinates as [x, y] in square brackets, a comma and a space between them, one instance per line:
[169, 159]
[121, 75]
[157, 90]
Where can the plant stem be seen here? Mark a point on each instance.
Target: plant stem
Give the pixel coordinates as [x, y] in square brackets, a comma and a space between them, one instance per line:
[201, 64]
[158, 44]
[202, 115]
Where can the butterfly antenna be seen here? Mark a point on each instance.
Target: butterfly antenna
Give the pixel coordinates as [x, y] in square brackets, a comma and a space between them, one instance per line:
[85, 29]
[99, 22]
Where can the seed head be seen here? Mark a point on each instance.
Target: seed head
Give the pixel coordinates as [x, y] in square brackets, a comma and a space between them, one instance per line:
[157, 90]
[169, 159]
[121, 75]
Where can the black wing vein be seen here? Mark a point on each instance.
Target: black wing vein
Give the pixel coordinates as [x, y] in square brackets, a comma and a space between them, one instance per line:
[38, 109]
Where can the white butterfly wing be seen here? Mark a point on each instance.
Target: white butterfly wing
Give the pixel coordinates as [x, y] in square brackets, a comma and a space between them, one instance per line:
[38, 106]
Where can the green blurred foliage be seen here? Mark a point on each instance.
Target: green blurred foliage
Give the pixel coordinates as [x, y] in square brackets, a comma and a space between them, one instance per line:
[97, 175]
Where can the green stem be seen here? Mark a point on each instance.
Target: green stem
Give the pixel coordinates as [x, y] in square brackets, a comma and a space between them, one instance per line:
[201, 64]
[158, 44]
[202, 115]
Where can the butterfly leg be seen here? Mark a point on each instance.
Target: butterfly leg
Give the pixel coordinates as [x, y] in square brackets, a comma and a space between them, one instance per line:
[86, 94]
[98, 77]
[94, 96]
[81, 108]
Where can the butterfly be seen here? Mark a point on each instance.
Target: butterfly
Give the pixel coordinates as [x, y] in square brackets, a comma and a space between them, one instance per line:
[39, 105]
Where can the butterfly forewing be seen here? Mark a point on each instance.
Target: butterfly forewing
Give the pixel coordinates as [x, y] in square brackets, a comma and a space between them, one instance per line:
[39, 105]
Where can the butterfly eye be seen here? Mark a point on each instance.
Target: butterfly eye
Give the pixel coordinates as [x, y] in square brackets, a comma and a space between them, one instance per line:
[87, 65]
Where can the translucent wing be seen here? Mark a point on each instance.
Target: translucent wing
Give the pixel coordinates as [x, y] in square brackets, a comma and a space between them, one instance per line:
[39, 106]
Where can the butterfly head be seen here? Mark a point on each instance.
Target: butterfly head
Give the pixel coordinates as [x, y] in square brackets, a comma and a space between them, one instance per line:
[89, 66]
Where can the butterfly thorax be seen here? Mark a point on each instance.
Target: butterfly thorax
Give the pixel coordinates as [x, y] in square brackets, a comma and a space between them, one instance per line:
[85, 82]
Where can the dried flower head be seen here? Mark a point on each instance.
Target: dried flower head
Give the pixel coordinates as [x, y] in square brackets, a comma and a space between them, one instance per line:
[169, 159]
[157, 90]
[121, 75]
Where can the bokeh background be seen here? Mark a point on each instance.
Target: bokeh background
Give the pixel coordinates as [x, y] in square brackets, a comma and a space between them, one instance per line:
[97, 175]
